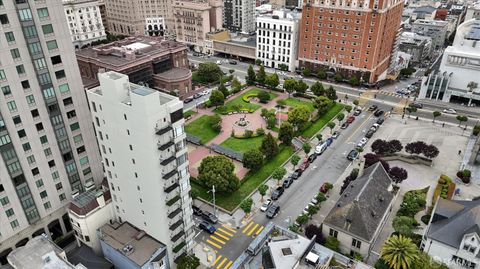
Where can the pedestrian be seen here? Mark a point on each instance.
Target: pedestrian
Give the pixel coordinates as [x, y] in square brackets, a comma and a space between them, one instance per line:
[459, 152]
[443, 124]
[405, 122]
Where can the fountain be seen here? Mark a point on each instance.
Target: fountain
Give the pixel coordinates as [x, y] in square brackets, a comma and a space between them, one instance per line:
[242, 122]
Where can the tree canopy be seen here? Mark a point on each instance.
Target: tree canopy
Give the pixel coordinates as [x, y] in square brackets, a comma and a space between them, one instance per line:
[218, 171]
[210, 72]
[217, 98]
[253, 159]
[269, 146]
[298, 117]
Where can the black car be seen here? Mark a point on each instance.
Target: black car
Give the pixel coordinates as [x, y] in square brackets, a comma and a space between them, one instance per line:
[196, 96]
[287, 182]
[277, 193]
[372, 108]
[344, 125]
[297, 174]
[352, 155]
[312, 157]
[378, 113]
[380, 120]
[188, 100]
[197, 211]
[416, 105]
[272, 211]
[209, 217]
[233, 62]
[369, 134]
[205, 225]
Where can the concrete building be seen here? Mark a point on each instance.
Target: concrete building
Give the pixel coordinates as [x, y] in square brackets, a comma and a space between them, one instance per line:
[277, 39]
[40, 253]
[473, 12]
[351, 38]
[155, 26]
[142, 140]
[84, 21]
[418, 46]
[457, 79]
[361, 212]
[195, 19]
[128, 247]
[437, 30]
[239, 16]
[152, 61]
[89, 211]
[47, 145]
[453, 233]
[103, 13]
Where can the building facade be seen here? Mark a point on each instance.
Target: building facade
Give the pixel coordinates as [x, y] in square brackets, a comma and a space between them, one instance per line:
[142, 140]
[84, 21]
[239, 16]
[155, 26]
[277, 39]
[420, 47]
[47, 146]
[437, 30]
[350, 38]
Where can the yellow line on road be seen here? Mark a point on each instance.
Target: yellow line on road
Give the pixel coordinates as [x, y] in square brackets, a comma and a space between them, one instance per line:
[214, 244]
[253, 229]
[216, 260]
[217, 239]
[225, 232]
[228, 228]
[223, 261]
[359, 127]
[228, 265]
[259, 230]
[222, 236]
[248, 226]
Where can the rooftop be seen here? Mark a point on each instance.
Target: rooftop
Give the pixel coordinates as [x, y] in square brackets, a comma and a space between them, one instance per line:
[431, 22]
[175, 73]
[283, 14]
[287, 252]
[135, 244]
[86, 202]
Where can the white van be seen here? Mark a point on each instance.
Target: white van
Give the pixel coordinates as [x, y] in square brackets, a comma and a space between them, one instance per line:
[321, 148]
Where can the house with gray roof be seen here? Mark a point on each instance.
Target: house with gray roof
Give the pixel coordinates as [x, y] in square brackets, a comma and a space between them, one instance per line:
[361, 211]
[453, 234]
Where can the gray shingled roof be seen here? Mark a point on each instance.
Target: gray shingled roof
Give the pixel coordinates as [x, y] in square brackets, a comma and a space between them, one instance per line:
[454, 219]
[363, 204]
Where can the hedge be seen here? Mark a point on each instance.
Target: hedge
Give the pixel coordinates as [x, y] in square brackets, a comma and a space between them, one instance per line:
[246, 97]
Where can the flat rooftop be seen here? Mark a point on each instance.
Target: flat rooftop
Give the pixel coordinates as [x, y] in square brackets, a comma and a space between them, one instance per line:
[128, 240]
[286, 253]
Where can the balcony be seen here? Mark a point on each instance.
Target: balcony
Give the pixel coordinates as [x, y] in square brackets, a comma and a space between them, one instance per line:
[167, 160]
[179, 247]
[170, 174]
[176, 225]
[165, 145]
[174, 213]
[171, 188]
[173, 200]
[178, 236]
[164, 130]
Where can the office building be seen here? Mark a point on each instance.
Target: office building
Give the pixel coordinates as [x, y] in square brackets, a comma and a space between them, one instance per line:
[277, 39]
[47, 145]
[437, 30]
[239, 16]
[350, 38]
[419, 46]
[155, 26]
[142, 140]
[84, 21]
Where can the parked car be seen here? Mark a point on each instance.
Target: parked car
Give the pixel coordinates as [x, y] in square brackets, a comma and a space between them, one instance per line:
[208, 227]
[197, 95]
[378, 113]
[352, 155]
[197, 211]
[314, 200]
[362, 142]
[369, 134]
[188, 100]
[335, 134]
[319, 149]
[209, 217]
[272, 211]
[312, 157]
[287, 182]
[450, 111]
[350, 119]
[297, 174]
[219, 62]
[372, 108]
[277, 193]
[266, 205]
[357, 112]
[416, 105]
[375, 127]
[304, 165]
[344, 125]
[380, 121]
[305, 210]
[206, 92]
[324, 188]
[233, 62]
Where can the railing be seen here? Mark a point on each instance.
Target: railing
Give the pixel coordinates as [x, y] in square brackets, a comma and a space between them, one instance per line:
[173, 200]
[166, 145]
[178, 236]
[167, 160]
[170, 174]
[179, 247]
[174, 213]
[172, 187]
[176, 225]
[163, 130]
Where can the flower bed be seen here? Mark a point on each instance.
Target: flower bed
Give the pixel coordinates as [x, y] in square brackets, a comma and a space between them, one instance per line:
[445, 189]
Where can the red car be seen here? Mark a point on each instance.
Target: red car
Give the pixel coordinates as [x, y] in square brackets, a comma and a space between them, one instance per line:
[324, 188]
[304, 165]
[350, 119]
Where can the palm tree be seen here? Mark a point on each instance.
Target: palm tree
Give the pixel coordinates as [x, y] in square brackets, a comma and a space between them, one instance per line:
[399, 252]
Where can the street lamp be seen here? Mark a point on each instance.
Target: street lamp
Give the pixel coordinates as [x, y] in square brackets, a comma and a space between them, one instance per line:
[214, 207]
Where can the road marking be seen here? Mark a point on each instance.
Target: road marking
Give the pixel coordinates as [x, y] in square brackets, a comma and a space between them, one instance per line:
[216, 260]
[222, 236]
[253, 229]
[214, 244]
[228, 228]
[259, 230]
[361, 126]
[248, 226]
[217, 239]
[223, 261]
[228, 265]
[223, 231]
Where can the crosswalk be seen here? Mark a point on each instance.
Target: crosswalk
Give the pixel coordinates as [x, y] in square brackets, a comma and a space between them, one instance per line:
[252, 229]
[221, 262]
[220, 237]
[391, 93]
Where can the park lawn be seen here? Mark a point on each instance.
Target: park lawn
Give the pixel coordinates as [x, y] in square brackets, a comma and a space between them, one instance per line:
[242, 144]
[238, 101]
[250, 182]
[316, 126]
[294, 102]
[201, 128]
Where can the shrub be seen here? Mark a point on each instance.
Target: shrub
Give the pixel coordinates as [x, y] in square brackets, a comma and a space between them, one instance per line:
[260, 131]
[246, 97]
[464, 175]
[248, 133]
[425, 219]
[264, 97]
[332, 243]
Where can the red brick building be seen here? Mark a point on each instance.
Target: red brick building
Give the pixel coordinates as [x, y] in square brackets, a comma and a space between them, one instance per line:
[353, 38]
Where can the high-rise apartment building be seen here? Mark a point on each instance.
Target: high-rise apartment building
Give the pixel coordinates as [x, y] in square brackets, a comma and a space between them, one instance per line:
[239, 16]
[353, 38]
[143, 144]
[47, 145]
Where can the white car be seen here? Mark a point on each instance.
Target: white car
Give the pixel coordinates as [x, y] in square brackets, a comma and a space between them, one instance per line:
[362, 142]
[265, 205]
[305, 210]
[219, 62]
[450, 111]
[205, 92]
[375, 127]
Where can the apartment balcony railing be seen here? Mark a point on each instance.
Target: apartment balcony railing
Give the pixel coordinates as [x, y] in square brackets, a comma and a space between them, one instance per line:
[170, 174]
[174, 213]
[166, 145]
[176, 225]
[163, 130]
[176, 237]
[172, 187]
[167, 160]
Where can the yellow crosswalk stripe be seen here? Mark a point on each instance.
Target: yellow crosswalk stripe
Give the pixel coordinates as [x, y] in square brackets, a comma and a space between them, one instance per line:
[214, 244]
[216, 260]
[220, 264]
[228, 228]
[228, 265]
[259, 230]
[248, 226]
[217, 239]
[253, 229]
[225, 232]
[222, 236]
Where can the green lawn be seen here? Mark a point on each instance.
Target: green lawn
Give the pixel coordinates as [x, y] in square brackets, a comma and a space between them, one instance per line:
[201, 128]
[294, 102]
[238, 102]
[313, 128]
[248, 184]
[242, 144]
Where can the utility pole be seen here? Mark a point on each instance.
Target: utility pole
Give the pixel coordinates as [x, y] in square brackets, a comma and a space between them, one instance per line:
[214, 207]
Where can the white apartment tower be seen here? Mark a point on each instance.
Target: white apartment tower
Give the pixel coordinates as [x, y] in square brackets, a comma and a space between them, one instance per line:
[239, 16]
[84, 21]
[47, 145]
[141, 135]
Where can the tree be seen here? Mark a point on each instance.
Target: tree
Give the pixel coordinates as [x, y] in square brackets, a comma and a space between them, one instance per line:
[317, 88]
[340, 117]
[262, 189]
[430, 151]
[236, 84]
[218, 171]
[302, 219]
[472, 85]
[269, 146]
[246, 205]
[338, 77]
[348, 108]
[258, 62]
[188, 262]
[415, 147]
[298, 117]
[313, 230]
[283, 67]
[355, 102]
[289, 85]
[461, 119]
[312, 210]
[209, 72]
[306, 72]
[272, 81]
[395, 146]
[279, 173]
[294, 160]
[398, 174]
[223, 89]
[331, 125]
[353, 81]
[263, 97]
[216, 123]
[306, 147]
[411, 110]
[301, 87]
[217, 98]
[332, 243]
[399, 252]
[323, 104]
[371, 159]
[261, 75]
[321, 74]
[435, 115]
[281, 103]
[404, 225]
[380, 147]
[319, 136]
[331, 93]
[251, 76]
[286, 133]
[253, 159]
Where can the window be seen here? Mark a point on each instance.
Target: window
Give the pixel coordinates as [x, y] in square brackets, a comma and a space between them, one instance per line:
[31, 159]
[43, 139]
[12, 106]
[30, 31]
[39, 183]
[4, 201]
[47, 29]
[34, 113]
[2, 75]
[58, 186]
[39, 126]
[14, 224]
[35, 171]
[25, 84]
[64, 88]
[35, 48]
[67, 101]
[62, 197]
[9, 154]
[87, 238]
[26, 147]
[42, 12]
[56, 59]
[9, 212]
[47, 205]
[78, 138]
[81, 149]
[84, 160]
[60, 74]
[43, 194]
[14, 167]
[4, 19]
[10, 36]
[30, 99]
[25, 14]
[47, 152]
[333, 233]
[20, 69]
[15, 53]
[6, 90]
[55, 175]
[48, 93]
[51, 45]
[74, 126]
[40, 64]
[356, 243]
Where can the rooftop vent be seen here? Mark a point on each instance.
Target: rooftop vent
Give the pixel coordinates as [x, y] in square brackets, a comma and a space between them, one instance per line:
[380, 198]
[286, 251]
[127, 249]
[372, 213]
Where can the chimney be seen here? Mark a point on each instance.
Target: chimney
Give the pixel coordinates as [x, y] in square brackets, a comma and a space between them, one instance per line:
[100, 198]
